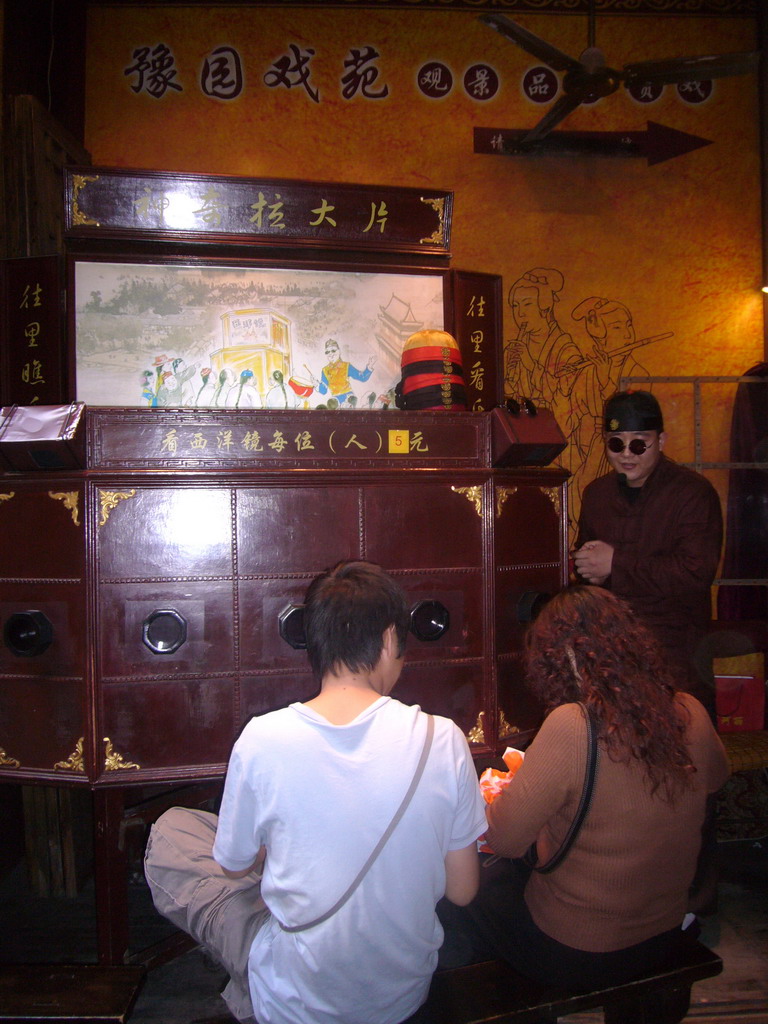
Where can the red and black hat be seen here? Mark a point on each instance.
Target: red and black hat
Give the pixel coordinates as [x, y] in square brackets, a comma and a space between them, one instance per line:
[432, 373]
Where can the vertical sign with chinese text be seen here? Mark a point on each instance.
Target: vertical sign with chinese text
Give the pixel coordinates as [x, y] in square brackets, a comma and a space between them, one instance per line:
[33, 360]
[477, 324]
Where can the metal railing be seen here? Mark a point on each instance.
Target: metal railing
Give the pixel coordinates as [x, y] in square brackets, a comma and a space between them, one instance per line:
[698, 463]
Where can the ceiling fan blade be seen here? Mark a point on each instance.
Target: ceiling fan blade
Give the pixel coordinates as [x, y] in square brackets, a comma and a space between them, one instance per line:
[691, 69]
[531, 43]
[557, 113]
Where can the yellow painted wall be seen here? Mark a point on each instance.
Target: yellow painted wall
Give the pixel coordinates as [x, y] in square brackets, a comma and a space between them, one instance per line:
[677, 243]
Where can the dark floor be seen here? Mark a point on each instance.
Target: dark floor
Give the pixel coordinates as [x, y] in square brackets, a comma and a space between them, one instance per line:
[185, 990]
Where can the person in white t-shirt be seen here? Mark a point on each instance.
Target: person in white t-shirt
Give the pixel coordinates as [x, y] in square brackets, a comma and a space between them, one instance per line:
[310, 791]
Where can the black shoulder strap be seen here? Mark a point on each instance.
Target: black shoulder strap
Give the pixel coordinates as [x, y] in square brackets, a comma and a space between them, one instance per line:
[586, 797]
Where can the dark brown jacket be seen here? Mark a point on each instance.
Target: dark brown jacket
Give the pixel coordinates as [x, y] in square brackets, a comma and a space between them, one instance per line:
[666, 549]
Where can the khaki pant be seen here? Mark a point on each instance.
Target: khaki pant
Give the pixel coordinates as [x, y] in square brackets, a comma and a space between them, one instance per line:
[190, 889]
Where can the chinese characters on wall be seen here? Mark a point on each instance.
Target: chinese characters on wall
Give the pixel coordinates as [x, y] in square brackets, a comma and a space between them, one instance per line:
[541, 85]
[154, 72]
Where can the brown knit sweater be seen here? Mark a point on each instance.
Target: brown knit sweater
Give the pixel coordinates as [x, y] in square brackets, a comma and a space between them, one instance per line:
[626, 877]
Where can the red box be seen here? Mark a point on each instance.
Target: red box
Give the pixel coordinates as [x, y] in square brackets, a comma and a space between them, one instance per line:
[740, 703]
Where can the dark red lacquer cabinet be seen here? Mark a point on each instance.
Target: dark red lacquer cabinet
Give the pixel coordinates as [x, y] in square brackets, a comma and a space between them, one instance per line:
[150, 601]
[153, 561]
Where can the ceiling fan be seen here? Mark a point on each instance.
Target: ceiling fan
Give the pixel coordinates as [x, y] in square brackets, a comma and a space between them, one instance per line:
[589, 78]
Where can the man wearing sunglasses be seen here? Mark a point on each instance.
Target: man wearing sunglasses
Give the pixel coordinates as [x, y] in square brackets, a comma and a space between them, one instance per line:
[651, 531]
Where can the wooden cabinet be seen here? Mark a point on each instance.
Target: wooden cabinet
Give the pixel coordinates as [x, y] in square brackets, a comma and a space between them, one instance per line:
[163, 588]
[43, 698]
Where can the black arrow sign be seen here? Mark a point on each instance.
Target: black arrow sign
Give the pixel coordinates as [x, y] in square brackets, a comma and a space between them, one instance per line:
[656, 144]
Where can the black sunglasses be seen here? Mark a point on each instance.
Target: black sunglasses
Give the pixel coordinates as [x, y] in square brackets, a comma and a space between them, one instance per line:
[637, 446]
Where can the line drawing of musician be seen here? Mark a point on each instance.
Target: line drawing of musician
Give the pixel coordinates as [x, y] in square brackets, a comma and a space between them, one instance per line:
[535, 362]
[337, 373]
[608, 356]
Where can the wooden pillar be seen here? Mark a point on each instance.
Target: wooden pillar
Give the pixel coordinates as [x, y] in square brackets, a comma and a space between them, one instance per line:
[110, 877]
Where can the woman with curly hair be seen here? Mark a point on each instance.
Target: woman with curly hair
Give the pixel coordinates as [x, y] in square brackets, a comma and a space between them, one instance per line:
[614, 906]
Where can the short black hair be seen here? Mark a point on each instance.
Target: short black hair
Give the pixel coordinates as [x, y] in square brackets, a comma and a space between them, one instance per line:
[346, 611]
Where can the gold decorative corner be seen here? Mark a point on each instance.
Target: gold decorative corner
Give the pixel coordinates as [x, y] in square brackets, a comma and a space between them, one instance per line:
[79, 181]
[110, 501]
[474, 495]
[7, 497]
[112, 760]
[74, 763]
[438, 205]
[477, 734]
[505, 729]
[70, 499]
[553, 493]
[9, 762]
[502, 493]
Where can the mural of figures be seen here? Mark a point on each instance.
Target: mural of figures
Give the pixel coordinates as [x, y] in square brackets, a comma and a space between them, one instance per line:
[206, 388]
[244, 394]
[147, 387]
[571, 373]
[224, 384]
[535, 361]
[215, 337]
[338, 373]
[609, 356]
[280, 395]
[185, 393]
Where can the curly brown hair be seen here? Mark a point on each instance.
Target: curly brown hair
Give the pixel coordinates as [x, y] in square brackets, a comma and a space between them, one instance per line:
[587, 645]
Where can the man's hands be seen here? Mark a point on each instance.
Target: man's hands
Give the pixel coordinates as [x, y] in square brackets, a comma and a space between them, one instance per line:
[593, 561]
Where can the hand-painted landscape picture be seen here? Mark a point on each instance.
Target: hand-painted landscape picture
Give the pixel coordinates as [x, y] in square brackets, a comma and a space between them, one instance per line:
[217, 337]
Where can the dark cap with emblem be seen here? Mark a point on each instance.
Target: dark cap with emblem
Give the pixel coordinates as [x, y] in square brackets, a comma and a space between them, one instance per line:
[633, 411]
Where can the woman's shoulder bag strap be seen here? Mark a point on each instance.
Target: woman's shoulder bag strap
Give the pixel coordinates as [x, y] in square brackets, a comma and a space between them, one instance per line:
[382, 842]
[586, 797]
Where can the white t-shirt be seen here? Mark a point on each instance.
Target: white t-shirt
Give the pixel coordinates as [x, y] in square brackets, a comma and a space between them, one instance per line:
[320, 796]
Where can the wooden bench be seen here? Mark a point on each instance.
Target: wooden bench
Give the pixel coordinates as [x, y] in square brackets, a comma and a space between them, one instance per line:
[68, 992]
[493, 993]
